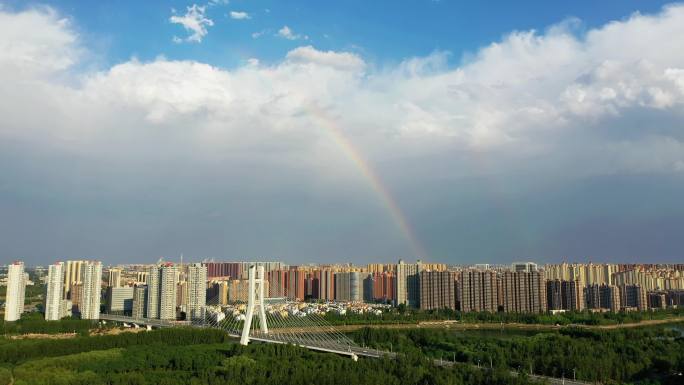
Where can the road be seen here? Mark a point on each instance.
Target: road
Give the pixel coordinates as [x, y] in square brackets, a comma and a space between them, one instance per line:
[498, 326]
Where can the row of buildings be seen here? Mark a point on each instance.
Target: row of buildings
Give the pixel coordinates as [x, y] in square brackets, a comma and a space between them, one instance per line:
[182, 291]
[649, 276]
[517, 288]
[73, 287]
[165, 291]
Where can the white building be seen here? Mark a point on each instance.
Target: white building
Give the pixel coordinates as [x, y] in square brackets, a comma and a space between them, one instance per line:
[197, 291]
[408, 283]
[91, 278]
[114, 279]
[153, 292]
[16, 286]
[167, 292]
[55, 290]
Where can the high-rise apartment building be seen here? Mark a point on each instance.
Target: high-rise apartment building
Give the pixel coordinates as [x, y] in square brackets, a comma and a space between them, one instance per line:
[217, 292]
[478, 291]
[237, 270]
[223, 293]
[295, 284]
[375, 268]
[657, 300]
[76, 295]
[139, 302]
[603, 297]
[55, 291]
[238, 290]
[91, 278]
[383, 287]
[72, 275]
[564, 295]
[277, 280]
[349, 286]
[554, 295]
[633, 296]
[167, 291]
[408, 283]
[610, 297]
[592, 296]
[523, 292]
[326, 285]
[141, 277]
[16, 288]
[433, 266]
[651, 278]
[572, 296]
[584, 273]
[153, 286]
[181, 294]
[197, 291]
[437, 290]
[114, 279]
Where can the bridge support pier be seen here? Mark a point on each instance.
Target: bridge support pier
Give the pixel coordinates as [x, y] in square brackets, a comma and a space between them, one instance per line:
[255, 298]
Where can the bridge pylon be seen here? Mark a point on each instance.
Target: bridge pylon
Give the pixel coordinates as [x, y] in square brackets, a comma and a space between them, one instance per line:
[255, 298]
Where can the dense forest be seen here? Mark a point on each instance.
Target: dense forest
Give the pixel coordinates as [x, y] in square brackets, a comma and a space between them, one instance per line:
[641, 355]
[647, 355]
[195, 356]
[405, 315]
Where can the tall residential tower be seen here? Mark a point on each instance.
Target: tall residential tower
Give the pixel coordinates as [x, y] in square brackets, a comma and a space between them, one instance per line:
[16, 287]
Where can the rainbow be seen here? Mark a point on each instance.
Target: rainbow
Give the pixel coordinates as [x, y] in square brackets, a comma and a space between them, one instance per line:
[371, 176]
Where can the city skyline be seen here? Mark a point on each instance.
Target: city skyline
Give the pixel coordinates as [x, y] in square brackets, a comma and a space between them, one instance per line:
[361, 261]
[432, 130]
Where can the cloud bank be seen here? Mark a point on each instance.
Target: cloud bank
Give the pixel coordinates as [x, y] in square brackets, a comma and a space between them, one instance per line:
[148, 158]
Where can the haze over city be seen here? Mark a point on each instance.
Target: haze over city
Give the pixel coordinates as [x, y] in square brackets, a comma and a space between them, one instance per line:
[344, 132]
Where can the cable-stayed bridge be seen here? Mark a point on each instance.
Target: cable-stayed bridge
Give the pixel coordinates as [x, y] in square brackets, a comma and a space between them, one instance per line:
[268, 320]
[277, 320]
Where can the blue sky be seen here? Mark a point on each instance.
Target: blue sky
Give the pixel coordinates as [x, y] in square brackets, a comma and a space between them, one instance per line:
[365, 130]
[383, 31]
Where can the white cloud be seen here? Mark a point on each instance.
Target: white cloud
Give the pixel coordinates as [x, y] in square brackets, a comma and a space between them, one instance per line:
[194, 21]
[549, 96]
[258, 34]
[288, 34]
[339, 60]
[236, 15]
[26, 49]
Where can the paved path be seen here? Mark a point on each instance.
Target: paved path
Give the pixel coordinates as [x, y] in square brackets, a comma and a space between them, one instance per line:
[498, 326]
